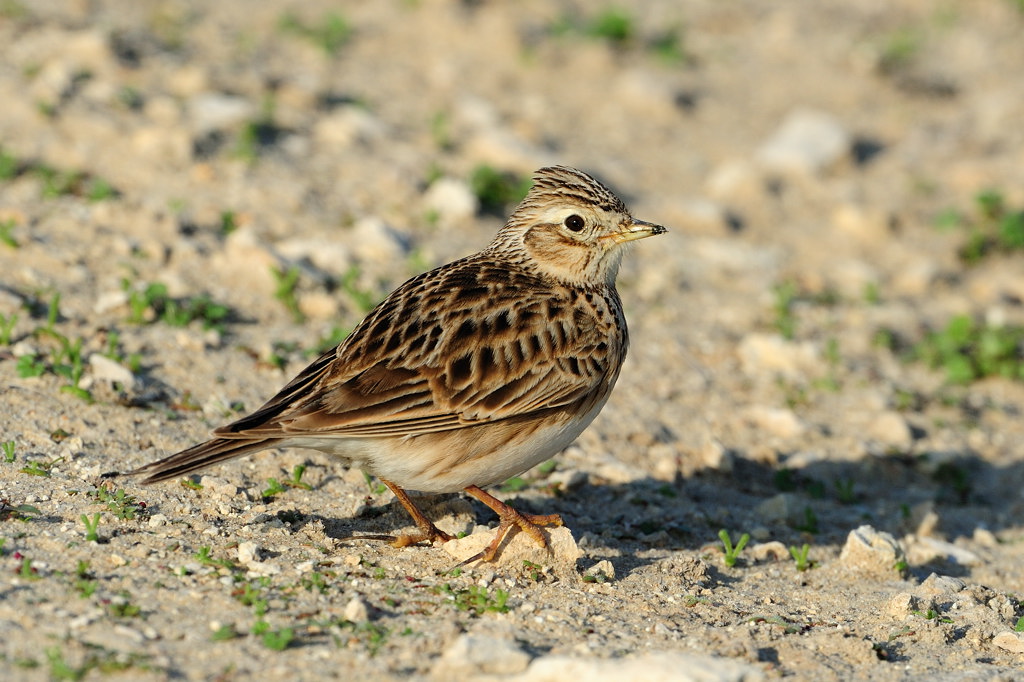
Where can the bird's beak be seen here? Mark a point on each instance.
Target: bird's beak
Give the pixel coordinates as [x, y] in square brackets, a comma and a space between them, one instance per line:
[637, 229]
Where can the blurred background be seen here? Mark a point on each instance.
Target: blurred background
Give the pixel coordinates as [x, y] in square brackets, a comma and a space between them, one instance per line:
[197, 197]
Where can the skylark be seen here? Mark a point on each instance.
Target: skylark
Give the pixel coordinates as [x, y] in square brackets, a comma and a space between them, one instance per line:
[470, 373]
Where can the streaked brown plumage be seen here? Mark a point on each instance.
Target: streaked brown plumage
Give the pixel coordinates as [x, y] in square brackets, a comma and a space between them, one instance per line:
[468, 374]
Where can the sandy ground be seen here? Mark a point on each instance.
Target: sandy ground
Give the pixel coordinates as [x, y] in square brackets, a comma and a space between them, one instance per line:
[818, 165]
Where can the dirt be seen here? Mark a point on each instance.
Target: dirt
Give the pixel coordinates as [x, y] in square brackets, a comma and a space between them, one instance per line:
[808, 159]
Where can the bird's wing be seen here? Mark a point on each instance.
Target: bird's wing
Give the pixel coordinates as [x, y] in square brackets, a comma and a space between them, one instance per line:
[451, 348]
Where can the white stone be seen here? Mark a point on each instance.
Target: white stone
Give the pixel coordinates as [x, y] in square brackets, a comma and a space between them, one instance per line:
[776, 421]
[356, 611]
[602, 568]
[346, 126]
[936, 584]
[807, 141]
[890, 428]
[562, 550]
[774, 354]
[470, 656]
[1010, 641]
[452, 200]
[105, 369]
[783, 507]
[216, 110]
[375, 241]
[872, 552]
[774, 550]
[248, 553]
[662, 666]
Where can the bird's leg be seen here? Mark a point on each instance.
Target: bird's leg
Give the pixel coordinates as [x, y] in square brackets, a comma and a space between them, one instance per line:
[511, 519]
[428, 531]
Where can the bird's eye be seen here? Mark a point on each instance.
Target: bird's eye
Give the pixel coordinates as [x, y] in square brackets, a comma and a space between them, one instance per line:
[574, 223]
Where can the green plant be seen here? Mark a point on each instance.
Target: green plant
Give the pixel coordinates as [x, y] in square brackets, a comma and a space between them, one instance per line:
[785, 296]
[9, 166]
[1019, 627]
[810, 522]
[845, 491]
[21, 512]
[285, 282]
[224, 633]
[613, 25]
[475, 599]
[495, 189]
[365, 299]
[991, 228]
[122, 608]
[374, 488]
[7, 323]
[732, 552]
[6, 228]
[274, 487]
[275, 640]
[228, 222]
[330, 34]
[36, 468]
[91, 527]
[898, 50]
[84, 582]
[968, 351]
[8, 449]
[204, 557]
[121, 504]
[152, 303]
[514, 485]
[800, 557]
[27, 571]
[30, 365]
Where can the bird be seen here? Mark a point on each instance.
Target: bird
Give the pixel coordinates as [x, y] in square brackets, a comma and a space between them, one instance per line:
[468, 374]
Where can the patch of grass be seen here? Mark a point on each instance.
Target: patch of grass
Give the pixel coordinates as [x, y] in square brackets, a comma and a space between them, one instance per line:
[330, 33]
[514, 485]
[37, 468]
[275, 640]
[800, 557]
[27, 571]
[8, 449]
[810, 522]
[613, 25]
[845, 491]
[286, 281]
[224, 633]
[992, 227]
[968, 351]
[732, 552]
[496, 189]
[7, 323]
[121, 504]
[21, 512]
[365, 299]
[206, 558]
[329, 341]
[85, 584]
[475, 599]
[91, 527]
[152, 303]
[377, 488]
[785, 296]
[276, 487]
[898, 50]
[6, 230]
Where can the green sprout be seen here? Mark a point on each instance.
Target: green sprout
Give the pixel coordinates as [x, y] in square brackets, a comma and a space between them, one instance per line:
[732, 552]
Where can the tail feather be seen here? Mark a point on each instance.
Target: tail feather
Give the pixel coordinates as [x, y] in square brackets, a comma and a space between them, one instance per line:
[199, 457]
